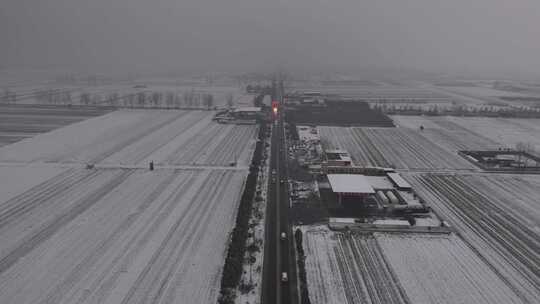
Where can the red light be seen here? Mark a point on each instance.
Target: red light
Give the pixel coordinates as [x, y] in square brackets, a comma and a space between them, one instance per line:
[275, 110]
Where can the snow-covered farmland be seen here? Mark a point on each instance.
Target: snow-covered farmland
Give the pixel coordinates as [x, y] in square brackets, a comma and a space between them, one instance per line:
[401, 148]
[117, 236]
[448, 133]
[497, 215]
[397, 268]
[136, 137]
[475, 132]
[19, 121]
[442, 269]
[506, 131]
[344, 268]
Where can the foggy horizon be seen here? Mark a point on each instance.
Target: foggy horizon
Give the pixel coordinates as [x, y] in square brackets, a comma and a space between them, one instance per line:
[477, 37]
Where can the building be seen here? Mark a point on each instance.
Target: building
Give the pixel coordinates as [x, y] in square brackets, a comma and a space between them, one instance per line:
[337, 157]
[399, 182]
[248, 113]
[348, 187]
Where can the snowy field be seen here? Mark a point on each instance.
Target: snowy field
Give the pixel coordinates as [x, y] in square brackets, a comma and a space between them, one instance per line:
[117, 236]
[346, 269]
[442, 269]
[498, 215]
[400, 148]
[506, 131]
[136, 137]
[475, 132]
[18, 122]
[120, 233]
[393, 268]
[447, 132]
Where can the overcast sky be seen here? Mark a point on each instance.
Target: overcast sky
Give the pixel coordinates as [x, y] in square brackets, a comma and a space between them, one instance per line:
[220, 35]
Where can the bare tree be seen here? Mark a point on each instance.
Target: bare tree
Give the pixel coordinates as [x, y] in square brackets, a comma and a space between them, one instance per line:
[208, 100]
[189, 97]
[230, 100]
[5, 96]
[51, 98]
[96, 99]
[141, 99]
[177, 101]
[66, 98]
[129, 100]
[169, 99]
[112, 99]
[84, 99]
[9, 96]
[155, 98]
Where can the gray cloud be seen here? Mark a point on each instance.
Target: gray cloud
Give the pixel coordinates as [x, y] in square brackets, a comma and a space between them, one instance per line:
[469, 35]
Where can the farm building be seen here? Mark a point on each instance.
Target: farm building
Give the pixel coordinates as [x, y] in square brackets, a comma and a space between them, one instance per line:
[337, 157]
[399, 182]
[350, 187]
[246, 112]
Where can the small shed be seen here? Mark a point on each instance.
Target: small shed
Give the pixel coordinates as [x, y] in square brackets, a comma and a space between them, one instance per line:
[400, 183]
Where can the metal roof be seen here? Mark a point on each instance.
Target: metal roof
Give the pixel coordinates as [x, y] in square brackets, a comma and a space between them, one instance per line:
[349, 183]
[400, 182]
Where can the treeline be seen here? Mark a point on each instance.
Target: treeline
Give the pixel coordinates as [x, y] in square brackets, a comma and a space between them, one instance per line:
[472, 111]
[170, 100]
[304, 294]
[9, 97]
[233, 268]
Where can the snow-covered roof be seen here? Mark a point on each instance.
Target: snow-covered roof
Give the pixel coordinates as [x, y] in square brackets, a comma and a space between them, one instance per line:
[345, 220]
[349, 183]
[380, 182]
[400, 182]
[247, 109]
[392, 222]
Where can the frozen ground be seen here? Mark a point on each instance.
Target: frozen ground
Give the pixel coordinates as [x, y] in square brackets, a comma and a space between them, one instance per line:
[18, 122]
[398, 268]
[120, 233]
[136, 137]
[346, 269]
[475, 132]
[442, 269]
[506, 131]
[448, 132]
[400, 148]
[17, 179]
[118, 236]
[496, 214]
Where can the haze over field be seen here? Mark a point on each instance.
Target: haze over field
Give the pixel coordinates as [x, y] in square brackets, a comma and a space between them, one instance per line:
[476, 36]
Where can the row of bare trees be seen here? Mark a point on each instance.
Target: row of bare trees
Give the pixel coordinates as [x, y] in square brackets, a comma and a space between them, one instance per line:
[9, 96]
[189, 99]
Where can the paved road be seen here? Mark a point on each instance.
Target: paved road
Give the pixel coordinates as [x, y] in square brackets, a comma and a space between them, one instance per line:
[278, 255]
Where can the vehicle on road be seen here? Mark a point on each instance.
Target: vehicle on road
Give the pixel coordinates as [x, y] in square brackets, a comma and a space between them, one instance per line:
[283, 236]
[284, 277]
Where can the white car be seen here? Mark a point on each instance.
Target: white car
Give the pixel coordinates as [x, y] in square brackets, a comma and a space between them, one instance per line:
[283, 236]
[284, 277]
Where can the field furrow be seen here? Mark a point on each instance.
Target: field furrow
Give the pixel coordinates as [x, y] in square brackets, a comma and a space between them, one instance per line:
[498, 216]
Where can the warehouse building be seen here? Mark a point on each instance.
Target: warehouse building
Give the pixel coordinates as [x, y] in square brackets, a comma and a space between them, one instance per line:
[350, 187]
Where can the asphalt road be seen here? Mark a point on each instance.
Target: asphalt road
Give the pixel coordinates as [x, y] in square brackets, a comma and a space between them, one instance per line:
[278, 257]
